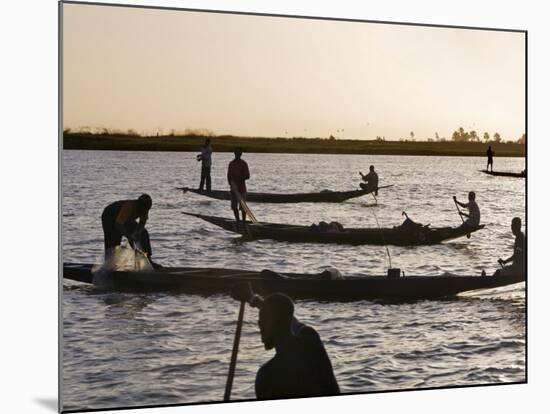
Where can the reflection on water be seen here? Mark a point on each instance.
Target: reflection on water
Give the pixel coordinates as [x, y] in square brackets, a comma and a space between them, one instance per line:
[125, 349]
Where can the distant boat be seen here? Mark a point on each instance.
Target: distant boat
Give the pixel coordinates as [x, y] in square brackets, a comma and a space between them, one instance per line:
[505, 174]
[325, 196]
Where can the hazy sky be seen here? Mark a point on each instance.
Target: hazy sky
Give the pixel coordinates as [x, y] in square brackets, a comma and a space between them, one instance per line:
[266, 76]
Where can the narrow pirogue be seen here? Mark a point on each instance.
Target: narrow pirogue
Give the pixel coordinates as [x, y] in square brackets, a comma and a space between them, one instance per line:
[317, 286]
[504, 174]
[398, 236]
[319, 197]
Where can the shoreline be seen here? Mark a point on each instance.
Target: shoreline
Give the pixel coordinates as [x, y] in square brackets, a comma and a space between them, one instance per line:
[192, 143]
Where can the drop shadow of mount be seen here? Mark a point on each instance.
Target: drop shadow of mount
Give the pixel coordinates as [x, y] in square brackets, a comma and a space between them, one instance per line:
[49, 403]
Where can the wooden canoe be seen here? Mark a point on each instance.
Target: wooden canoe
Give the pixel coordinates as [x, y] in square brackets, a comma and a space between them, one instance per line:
[398, 236]
[317, 286]
[504, 174]
[319, 197]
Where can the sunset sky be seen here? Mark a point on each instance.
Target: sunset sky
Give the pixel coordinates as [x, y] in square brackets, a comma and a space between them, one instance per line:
[270, 76]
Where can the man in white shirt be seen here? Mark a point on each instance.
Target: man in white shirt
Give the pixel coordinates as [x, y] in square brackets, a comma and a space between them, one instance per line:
[206, 157]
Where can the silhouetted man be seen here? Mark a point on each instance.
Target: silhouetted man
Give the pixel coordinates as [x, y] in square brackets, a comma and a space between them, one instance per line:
[301, 366]
[120, 219]
[473, 216]
[518, 257]
[371, 180]
[490, 154]
[206, 158]
[238, 173]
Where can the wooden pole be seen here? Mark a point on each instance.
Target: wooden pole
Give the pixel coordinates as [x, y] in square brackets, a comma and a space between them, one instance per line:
[233, 363]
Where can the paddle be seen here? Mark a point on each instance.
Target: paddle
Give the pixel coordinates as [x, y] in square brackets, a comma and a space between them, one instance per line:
[243, 204]
[461, 218]
[233, 363]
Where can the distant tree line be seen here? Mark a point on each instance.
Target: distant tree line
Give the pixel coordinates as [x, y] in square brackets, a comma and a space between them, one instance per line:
[460, 135]
[84, 130]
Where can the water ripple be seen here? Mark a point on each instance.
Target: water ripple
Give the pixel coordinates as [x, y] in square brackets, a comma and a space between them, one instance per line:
[126, 350]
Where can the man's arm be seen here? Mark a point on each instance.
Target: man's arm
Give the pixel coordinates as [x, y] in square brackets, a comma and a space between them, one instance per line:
[263, 386]
[367, 177]
[243, 292]
[246, 171]
[461, 204]
[229, 174]
[142, 221]
[506, 261]
[123, 216]
[516, 256]
[323, 372]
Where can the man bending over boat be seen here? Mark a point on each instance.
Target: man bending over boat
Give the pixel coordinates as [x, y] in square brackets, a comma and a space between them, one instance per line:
[237, 174]
[301, 366]
[518, 257]
[473, 216]
[119, 219]
[371, 180]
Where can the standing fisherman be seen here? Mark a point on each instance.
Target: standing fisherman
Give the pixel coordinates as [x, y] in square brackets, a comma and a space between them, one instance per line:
[490, 154]
[206, 158]
[237, 174]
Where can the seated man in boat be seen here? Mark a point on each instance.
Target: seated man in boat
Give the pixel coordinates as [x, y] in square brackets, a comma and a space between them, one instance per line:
[238, 173]
[119, 219]
[473, 216]
[518, 257]
[371, 180]
[301, 366]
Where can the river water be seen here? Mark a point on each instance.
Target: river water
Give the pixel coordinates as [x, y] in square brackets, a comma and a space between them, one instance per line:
[124, 349]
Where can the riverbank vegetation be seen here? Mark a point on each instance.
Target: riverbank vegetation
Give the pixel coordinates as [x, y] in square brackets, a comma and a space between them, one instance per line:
[461, 143]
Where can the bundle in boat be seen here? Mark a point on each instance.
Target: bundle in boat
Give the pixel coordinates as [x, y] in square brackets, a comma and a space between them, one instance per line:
[408, 234]
[325, 196]
[317, 286]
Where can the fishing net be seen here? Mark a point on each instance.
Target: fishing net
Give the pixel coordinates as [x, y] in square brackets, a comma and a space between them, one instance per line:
[120, 259]
[124, 259]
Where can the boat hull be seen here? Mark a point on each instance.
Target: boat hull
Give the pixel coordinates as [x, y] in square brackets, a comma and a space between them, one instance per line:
[320, 197]
[215, 281]
[504, 174]
[354, 236]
